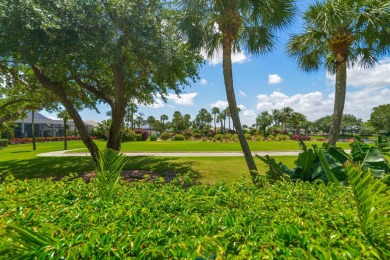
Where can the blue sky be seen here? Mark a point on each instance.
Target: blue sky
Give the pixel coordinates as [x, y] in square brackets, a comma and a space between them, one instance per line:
[273, 81]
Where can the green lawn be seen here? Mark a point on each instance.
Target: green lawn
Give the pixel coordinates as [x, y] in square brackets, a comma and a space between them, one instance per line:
[202, 146]
[22, 162]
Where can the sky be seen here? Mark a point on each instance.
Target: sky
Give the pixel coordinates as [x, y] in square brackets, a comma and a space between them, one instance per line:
[272, 81]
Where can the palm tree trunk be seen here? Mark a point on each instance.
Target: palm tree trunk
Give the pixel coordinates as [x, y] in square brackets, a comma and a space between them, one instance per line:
[228, 78]
[339, 101]
[65, 134]
[33, 130]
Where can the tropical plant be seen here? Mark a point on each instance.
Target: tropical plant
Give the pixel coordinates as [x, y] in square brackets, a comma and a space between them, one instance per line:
[235, 25]
[372, 211]
[340, 34]
[215, 111]
[108, 169]
[263, 121]
[327, 164]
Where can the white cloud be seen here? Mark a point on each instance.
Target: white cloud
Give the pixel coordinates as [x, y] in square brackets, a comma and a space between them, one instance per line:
[203, 82]
[183, 99]
[242, 107]
[224, 104]
[241, 93]
[158, 103]
[315, 105]
[274, 79]
[377, 77]
[220, 104]
[248, 117]
[216, 58]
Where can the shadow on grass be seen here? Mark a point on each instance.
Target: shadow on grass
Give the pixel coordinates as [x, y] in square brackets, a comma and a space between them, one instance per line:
[58, 167]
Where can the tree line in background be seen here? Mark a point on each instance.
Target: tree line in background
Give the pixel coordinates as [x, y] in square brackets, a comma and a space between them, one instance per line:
[81, 53]
[218, 121]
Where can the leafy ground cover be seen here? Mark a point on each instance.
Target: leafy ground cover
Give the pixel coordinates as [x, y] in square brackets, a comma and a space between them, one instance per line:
[67, 219]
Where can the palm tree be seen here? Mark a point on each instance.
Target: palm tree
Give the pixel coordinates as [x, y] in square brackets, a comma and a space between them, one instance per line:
[263, 121]
[176, 120]
[215, 111]
[340, 34]
[151, 121]
[65, 117]
[276, 116]
[163, 118]
[234, 25]
[285, 116]
[228, 115]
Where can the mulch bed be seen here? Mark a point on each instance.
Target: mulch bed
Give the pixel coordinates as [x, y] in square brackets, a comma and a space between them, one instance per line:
[134, 175]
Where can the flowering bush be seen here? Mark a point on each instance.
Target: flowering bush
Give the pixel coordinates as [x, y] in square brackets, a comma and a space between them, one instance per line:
[300, 137]
[143, 132]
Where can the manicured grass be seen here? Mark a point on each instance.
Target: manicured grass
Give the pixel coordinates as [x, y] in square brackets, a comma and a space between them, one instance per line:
[202, 146]
[22, 162]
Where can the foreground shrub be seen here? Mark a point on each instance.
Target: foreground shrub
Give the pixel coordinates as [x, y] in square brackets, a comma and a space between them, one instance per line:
[164, 221]
[138, 137]
[178, 137]
[248, 137]
[153, 137]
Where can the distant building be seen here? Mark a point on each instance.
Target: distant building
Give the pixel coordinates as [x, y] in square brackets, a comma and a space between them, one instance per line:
[45, 126]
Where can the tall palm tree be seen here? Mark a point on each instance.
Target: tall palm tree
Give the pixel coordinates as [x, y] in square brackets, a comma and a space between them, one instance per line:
[176, 120]
[228, 115]
[285, 116]
[163, 118]
[215, 111]
[340, 34]
[235, 25]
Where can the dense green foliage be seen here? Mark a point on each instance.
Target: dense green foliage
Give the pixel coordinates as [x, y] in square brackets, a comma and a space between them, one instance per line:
[328, 163]
[3, 142]
[153, 137]
[380, 118]
[156, 221]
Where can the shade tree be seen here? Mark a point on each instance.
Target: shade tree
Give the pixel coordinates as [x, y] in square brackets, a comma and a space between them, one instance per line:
[99, 52]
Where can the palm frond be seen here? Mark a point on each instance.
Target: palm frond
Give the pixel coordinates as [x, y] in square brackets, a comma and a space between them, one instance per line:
[373, 208]
[108, 169]
[23, 243]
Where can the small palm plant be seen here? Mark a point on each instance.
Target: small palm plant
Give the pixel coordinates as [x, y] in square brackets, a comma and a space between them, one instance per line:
[108, 169]
[373, 208]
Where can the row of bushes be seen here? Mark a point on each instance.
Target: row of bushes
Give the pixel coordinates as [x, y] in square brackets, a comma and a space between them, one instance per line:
[44, 139]
[136, 135]
[231, 137]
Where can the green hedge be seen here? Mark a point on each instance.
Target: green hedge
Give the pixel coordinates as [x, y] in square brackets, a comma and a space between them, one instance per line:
[178, 137]
[3, 142]
[153, 137]
[166, 221]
